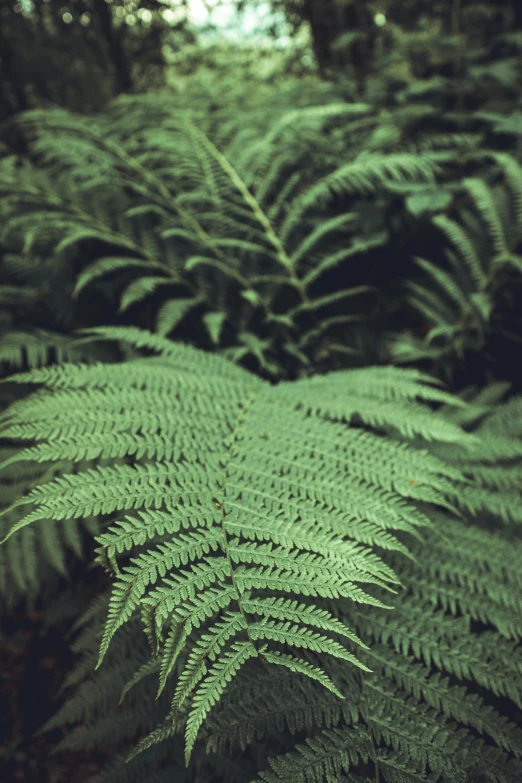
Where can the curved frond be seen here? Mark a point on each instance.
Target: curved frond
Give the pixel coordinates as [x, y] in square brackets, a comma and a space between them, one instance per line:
[256, 491]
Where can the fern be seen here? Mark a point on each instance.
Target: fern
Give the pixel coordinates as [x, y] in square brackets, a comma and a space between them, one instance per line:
[417, 715]
[408, 715]
[429, 695]
[316, 605]
[225, 233]
[257, 500]
[31, 562]
[458, 303]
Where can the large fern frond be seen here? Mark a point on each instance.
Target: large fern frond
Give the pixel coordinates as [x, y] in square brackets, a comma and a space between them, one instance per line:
[253, 474]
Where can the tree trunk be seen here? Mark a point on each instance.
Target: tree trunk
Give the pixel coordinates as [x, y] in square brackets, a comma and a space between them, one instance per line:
[328, 20]
[114, 40]
[13, 97]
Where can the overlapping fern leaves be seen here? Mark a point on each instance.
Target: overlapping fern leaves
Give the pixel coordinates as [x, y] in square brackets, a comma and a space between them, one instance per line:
[216, 227]
[483, 246]
[262, 518]
[446, 663]
[31, 562]
[253, 504]
[27, 560]
[235, 231]
[438, 698]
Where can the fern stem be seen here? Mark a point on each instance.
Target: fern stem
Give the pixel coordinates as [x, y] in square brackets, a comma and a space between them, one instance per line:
[256, 208]
[248, 404]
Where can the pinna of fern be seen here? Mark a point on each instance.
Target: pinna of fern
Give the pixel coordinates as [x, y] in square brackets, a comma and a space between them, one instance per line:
[248, 509]
[31, 562]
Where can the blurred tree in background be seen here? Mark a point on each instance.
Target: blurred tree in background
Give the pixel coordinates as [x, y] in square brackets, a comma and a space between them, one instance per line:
[81, 53]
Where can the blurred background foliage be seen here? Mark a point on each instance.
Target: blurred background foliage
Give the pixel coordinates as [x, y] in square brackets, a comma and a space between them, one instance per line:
[80, 54]
[377, 77]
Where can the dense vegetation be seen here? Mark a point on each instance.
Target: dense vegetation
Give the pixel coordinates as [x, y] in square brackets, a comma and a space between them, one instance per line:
[267, 489]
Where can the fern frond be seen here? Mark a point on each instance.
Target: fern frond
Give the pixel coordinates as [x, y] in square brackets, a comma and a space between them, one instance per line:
[326, 756]
[366, 173]
[111, 264]
[483, 201]
[261, 514]
[461, 241]
[172, 312]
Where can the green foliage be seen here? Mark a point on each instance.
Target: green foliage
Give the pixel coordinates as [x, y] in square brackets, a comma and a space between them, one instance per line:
[250, 237]
[26, 560]
[297, 578]
[315, 580]
[458, 303]
[31, 563]
[257, 504]
[210, 234]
